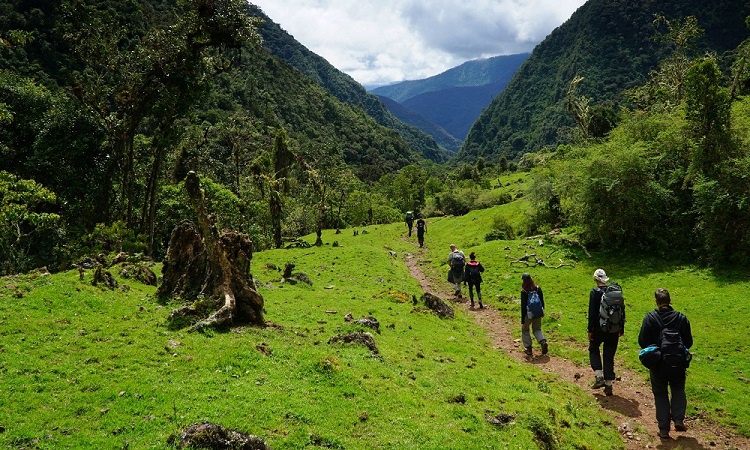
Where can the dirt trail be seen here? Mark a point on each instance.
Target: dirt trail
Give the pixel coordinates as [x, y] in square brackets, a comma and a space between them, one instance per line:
[631, 406]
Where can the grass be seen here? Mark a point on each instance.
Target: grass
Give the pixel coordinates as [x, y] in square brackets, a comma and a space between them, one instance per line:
[85, 367]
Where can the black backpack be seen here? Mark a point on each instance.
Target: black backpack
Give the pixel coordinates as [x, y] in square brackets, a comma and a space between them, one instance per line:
[674, 355]
[458, 261]
[472, 273]
[612, 309]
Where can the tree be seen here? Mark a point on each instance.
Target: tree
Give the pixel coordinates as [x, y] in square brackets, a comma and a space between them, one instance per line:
[156, 69]
[26, 223]
[203, 263]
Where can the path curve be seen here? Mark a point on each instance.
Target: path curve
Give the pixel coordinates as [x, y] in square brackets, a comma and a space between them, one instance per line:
[631, 406]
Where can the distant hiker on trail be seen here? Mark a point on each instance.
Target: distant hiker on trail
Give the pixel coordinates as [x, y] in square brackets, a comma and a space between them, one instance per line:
[421, 229]
[669, 331]
[409, 220]
[599, 337]
[456, 261]
[532, 311]
[473, 277]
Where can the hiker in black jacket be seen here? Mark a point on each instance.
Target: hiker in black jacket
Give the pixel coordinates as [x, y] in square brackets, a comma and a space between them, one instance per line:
[664, 378]
[602, 345]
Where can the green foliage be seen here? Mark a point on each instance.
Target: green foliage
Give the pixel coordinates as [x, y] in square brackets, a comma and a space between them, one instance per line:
[501, 229]
[610, 44]
[28, 226]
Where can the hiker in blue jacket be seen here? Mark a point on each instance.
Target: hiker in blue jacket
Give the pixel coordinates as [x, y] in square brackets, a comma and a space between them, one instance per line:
[535, 323]
[665, 378]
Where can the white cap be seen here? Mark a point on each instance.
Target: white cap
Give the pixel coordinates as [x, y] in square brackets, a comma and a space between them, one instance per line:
[601, 275]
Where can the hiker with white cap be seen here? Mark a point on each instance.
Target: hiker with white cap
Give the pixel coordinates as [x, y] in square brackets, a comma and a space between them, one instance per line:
[600, 336]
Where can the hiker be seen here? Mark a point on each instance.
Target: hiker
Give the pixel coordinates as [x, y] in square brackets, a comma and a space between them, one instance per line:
[604, 373]
[456, 261]
[409, 220]
[667, 377]
[473, 277]
[532, 311]
[421, 229]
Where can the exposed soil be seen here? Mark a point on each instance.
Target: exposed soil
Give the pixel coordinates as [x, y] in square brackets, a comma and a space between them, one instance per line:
[632, 405]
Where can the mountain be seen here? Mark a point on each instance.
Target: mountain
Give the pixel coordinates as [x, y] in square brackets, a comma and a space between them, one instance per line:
[406, 115]
[282, 45]
[612, 44]
[476, 73]
[453, 100]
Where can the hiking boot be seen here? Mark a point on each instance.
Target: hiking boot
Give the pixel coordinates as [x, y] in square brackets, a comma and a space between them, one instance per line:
[481, 306]
[679, 425]
[598, 383]
[607, 389]
[471, 306]
[527, 350]
[544, 347]
[664, 434]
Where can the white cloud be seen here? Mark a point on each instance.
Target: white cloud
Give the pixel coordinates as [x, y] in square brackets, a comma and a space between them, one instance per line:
[385, 41]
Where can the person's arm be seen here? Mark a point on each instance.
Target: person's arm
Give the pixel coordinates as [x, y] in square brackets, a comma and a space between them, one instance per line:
[687, 334]
[481, 267]
[541, 295]
[648, 334]
[524, 301]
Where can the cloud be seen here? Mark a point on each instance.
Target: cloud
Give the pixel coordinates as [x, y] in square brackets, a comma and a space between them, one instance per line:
[385, 41]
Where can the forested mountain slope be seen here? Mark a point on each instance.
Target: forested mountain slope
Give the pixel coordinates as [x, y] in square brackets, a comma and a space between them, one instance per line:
[497, 70]
[279, 43]
[453, 100]
[108, 104]
[406, 115]
[612, 44]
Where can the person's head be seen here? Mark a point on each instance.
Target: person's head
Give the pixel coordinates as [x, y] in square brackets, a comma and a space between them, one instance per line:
[527, 283]
[453, 247]
[600, 276]
[662, 297]
[472, 256]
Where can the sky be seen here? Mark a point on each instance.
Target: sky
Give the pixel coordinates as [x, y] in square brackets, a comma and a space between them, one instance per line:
[380, 42]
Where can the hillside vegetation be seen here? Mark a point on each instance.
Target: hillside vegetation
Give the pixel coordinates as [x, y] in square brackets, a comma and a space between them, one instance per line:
[613, 45]
[87, 366]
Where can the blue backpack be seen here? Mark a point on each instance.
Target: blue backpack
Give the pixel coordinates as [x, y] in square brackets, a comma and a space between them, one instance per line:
[534, 307]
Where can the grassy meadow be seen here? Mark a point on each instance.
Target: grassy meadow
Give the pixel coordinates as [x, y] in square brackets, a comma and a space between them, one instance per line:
[87, 367]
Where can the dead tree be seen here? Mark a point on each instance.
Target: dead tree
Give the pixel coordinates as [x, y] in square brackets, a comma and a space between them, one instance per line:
[215, 267]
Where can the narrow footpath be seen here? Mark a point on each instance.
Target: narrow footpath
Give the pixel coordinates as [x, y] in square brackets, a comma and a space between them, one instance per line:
[632, 405]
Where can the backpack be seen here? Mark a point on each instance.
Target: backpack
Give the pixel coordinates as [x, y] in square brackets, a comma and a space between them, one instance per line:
[458, 261]
[409, 215]
[420, 224]
[612, 309]
[674, 355]
[472, 272]
[534, 305]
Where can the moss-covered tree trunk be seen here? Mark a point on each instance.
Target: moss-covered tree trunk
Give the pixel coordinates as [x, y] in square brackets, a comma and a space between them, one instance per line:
[203, 263]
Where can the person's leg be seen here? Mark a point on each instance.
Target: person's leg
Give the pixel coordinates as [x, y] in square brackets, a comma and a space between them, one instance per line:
[479, 295]
[678, 403]
[525, 335]
[609, 349]
[471, 293]
[659, 387]
[595, 357]
[595, 360]
[536, 326]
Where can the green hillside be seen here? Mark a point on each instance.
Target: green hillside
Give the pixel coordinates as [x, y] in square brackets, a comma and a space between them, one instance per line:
[280, 44]
[611, 44]
[90, 367]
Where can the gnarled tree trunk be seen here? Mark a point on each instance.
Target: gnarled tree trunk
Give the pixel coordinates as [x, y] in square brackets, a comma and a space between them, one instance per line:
[205, 263]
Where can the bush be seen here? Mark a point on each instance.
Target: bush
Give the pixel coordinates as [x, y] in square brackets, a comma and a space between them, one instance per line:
[501, 230]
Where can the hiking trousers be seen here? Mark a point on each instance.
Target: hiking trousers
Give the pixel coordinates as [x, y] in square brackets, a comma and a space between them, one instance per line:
[608, 342]
[668, 410]
[472, 285]
[536, 328]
